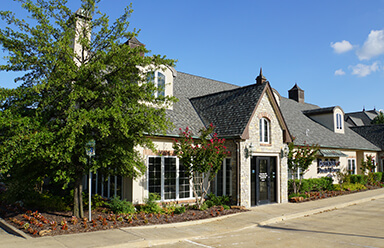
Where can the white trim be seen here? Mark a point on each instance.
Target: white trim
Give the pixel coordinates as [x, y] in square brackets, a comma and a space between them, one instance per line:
[354, 162]
[163, 178]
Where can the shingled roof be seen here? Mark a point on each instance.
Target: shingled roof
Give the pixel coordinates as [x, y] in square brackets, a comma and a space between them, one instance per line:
[304, 129]
[229, 110]
[185, 87]
[373, 133]
[362, 117]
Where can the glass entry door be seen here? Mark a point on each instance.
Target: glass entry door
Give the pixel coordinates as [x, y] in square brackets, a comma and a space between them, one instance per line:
[263, 180]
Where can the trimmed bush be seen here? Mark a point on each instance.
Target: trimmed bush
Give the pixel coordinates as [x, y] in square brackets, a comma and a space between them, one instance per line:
[312, 184]
[362, 179]
[121, 206]
[377, 176]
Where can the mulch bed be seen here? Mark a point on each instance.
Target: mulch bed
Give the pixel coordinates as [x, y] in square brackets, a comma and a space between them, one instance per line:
[39, 224]
[312, 196]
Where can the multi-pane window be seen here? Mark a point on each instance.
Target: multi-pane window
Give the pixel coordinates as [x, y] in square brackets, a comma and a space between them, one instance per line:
[106, 186]
[223, 180]
[167, 177]
[264, 130]
[351, 166]
[294, 174]
[339, 122]
[158, 79]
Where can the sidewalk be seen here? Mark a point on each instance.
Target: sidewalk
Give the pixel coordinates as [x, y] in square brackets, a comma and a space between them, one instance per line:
[147, 236]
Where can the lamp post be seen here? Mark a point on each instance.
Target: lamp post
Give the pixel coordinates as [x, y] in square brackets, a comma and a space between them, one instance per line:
[90, 150]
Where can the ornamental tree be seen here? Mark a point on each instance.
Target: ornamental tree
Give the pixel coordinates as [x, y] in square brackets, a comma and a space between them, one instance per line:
[202, 158]
[81, 81]
[300, 158]
[368, 165]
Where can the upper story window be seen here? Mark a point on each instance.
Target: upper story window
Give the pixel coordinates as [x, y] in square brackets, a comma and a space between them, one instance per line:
[264, 131]
[339, 122]
[158, 79]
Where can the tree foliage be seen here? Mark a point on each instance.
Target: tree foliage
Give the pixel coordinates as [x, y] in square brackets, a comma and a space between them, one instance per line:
[368, 166]
[379, 119]
[202, 158]
[81, 81]
[299, 159]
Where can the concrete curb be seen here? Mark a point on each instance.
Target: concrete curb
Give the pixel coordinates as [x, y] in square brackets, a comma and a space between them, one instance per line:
[12, 230]
[318, 210]
[181, 224]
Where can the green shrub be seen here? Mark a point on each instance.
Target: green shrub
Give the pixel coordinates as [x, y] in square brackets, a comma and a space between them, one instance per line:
[312, 184]
[353, 186]
[121, 206]
[46, 202]
[151, 206]
[179, 210]
[362, 179]
[213, 200]
[297, 195]
[377, 176]
[336, 187]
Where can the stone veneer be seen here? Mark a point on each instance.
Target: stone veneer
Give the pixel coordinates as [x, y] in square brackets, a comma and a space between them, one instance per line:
[264, 109]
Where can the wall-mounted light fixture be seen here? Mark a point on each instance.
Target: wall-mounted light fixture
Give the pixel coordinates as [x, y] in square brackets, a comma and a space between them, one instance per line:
[249, 150]
[284, 152]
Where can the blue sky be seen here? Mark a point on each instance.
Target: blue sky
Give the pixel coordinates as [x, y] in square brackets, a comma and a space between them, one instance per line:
[334, 50]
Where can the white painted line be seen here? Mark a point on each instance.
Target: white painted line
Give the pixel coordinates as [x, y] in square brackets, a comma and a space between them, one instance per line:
[189, 241]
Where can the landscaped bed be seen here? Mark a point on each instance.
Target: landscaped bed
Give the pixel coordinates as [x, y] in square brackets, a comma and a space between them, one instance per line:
[56, 223]
[317, 195]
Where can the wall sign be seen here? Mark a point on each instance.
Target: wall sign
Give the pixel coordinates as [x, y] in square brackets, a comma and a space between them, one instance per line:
[327, 166]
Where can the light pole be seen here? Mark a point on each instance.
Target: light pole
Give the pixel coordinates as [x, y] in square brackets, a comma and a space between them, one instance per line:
[90, 150]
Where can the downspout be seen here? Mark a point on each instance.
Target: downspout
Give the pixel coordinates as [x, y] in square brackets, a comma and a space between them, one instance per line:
[237, 172]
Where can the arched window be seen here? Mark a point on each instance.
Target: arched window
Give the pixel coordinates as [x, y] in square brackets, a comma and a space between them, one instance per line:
[158, 79]
[339, 123]
[264, 131]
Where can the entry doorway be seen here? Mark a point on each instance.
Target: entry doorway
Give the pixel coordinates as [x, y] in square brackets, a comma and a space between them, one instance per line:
[263, 180]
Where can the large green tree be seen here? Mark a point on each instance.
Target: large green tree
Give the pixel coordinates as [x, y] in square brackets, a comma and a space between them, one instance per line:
[81, 81]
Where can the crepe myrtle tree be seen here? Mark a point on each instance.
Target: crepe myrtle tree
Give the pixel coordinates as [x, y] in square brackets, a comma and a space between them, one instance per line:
[300, 157]
[202, 158]
[80, 81]
[368, 166]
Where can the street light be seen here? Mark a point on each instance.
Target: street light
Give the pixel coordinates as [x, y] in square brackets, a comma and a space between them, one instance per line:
[90, 150]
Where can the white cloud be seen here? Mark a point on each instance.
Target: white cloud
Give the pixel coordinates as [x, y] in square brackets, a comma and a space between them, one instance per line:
[339, 72]
[364, 70]
[373, 46]
[342, 46]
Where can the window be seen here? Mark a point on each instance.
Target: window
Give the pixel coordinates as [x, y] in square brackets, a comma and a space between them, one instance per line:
[223, 182]
[351, 166]
[264, 130]
[339, 122]
[106, 186]
[158, 79]
[294, 174]
[168, 178]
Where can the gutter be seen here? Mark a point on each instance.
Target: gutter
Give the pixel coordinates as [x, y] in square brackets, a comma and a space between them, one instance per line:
[237, 144]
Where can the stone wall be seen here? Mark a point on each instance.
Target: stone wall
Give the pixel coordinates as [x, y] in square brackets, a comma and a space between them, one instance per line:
[273, 149]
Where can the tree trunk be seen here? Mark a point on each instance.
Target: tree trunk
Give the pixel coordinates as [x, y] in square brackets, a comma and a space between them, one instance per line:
[78, 199]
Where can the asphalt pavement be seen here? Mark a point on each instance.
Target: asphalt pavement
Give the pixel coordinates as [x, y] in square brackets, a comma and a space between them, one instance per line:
[147, 236]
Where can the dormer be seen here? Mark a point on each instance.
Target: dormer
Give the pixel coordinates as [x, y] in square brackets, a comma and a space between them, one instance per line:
[162, 77]
[332, 118]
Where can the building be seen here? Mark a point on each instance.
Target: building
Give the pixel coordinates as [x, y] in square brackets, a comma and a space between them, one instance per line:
[341, 147]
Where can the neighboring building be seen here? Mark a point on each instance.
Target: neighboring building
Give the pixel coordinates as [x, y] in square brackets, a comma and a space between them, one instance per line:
[340, 147]
[361, 118]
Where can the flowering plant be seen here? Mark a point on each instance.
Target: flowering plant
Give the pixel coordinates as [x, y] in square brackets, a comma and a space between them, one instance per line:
[201, 158]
